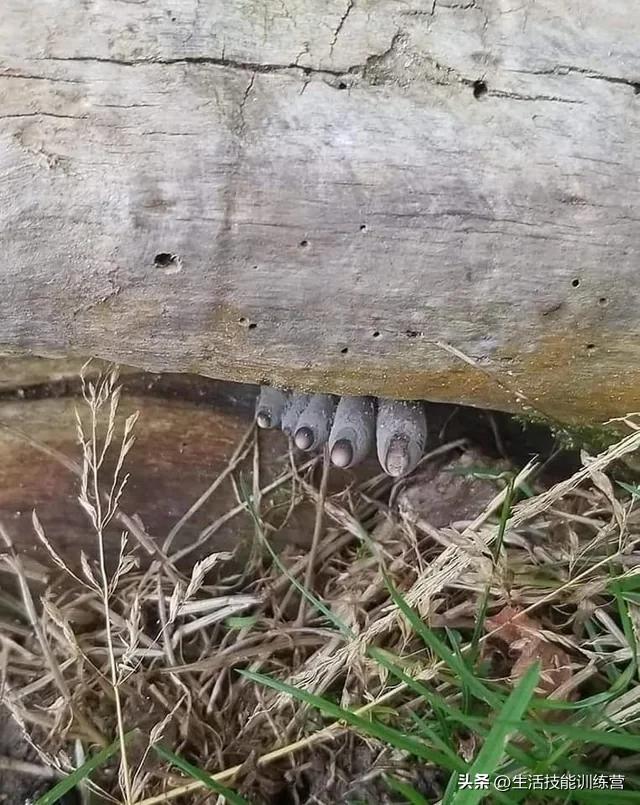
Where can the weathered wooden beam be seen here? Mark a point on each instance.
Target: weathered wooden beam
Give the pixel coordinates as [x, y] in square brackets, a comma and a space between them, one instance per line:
[181, 447]
[406, 199]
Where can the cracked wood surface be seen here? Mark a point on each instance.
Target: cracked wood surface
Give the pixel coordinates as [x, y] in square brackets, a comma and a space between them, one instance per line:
[431, 200]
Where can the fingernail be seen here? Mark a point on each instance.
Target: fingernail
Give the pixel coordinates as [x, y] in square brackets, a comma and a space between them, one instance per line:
[263, 419]
[401, 435]
[397, 458]
[269, 407]
[315, 422]
[353, 431]
[303, 438]
[342, 453]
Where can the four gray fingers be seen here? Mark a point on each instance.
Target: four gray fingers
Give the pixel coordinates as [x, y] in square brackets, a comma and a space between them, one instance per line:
[350, 426]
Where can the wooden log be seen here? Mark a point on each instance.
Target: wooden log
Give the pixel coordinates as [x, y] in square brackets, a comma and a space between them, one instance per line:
[187, 432]
[417, 200]
[180, 449]
[31, 376]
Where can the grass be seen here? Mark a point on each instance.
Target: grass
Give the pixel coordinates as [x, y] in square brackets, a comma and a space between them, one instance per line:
[83, 772]
[207, 781]
[386, 664]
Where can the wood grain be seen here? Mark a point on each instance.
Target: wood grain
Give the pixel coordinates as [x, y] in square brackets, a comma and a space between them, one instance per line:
[329, 196]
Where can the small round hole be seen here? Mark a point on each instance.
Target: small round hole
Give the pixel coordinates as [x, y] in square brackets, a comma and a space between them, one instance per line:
[590, 347]
[252, 325]
[575, 282]
[376, 334]
[344, 350]
[342, 85]
[242, 320]
[479, 89]
[164, 260]
[363, 227]
[304, 243]
[603, 301]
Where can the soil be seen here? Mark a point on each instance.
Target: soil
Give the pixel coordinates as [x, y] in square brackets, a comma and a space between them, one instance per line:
[17, 788]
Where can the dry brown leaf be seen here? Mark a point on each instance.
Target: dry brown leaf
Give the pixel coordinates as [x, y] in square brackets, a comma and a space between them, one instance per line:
[527, 645]
[467, 747]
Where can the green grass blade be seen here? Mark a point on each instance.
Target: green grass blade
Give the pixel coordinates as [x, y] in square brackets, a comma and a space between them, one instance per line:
[431, 735]
[435, 701]
[197, 774]
[240, 621]
[606, 796]
[478, 689]
[614, 738]
[376, 729]
[581, 734]
[82, 772]
[454, 641]
[625, 619]
[480, 473]
[456, 715]
[340, 625]
[505, 513]
[632, 489]
[619, 686]
[628, 583]
[493, 748]
[406, 790]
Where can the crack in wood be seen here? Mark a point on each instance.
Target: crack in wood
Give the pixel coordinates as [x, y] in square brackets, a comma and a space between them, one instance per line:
[567, 69]
[247, 92]
[216, 61]
[516, 96]
[343, 19]
[36, 77]
[363, 70]
[42, 114]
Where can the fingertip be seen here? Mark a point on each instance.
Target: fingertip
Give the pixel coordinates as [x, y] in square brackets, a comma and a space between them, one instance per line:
[304, 438]
[263, 419]
[342, 453]
[397, 460]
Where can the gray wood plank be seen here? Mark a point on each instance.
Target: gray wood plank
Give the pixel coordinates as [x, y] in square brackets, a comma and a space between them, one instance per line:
[362, 197]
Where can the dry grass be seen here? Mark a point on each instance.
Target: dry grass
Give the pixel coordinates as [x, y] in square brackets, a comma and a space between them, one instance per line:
[92, 651]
